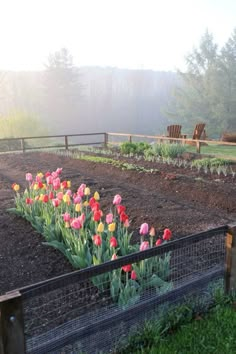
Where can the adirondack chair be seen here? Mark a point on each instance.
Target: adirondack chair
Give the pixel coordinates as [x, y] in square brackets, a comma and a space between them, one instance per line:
[199, 132]
[174, 131]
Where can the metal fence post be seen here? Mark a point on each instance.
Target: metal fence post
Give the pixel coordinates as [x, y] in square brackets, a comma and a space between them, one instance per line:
[230, 263]
[11, 324]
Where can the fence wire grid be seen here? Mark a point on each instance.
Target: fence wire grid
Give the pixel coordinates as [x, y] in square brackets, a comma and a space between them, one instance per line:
[96, 309]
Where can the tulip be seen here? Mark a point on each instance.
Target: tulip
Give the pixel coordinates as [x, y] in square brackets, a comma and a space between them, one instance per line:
[40, 185]
[152, 232]
[54, 175]
[75, 223]
[113, 242]
[97, 215]
[67, 225]
[82, 218]
[100, 227]
[66, 217]
[117, 199]
[143, 229]
[77, 199]
[96, 196]
[92, 200]
[49, 180]
[47, 174]
[66, 198]
[29, 201]
[28, 177]
[15, 187]
[68, 184]
[45, 198]
[144, 246]
[127, 268]
[77, 207]
[97, 240]
[56, 183]
[114, 256]
[56, 202]
[109, 218]
[85, 203]
[87, 191]
[95, 206]
[123, 217]
[126, 223]
[133, 275]
[120, 209]
[51, 195]
[59, 170]
[158, 242]
[40, 175]
[60, 195]
[167, 235]
[112, 227]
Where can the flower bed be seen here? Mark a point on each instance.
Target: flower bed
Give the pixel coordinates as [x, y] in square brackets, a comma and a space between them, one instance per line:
[74, 223]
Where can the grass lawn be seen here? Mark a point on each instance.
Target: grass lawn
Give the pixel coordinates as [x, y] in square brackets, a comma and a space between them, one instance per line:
[217, 150]
[214, 333]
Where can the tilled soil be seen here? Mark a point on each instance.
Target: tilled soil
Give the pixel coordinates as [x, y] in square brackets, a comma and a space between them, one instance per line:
[177, 198]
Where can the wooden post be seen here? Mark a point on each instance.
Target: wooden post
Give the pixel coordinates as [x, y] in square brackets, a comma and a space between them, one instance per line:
[105, 140]
[198, 146]
[230, 262]
[22, 143]
[11, 324]
[130, 138]
[66, 142]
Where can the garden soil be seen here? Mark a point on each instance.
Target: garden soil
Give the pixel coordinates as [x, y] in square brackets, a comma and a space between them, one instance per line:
[181, 199]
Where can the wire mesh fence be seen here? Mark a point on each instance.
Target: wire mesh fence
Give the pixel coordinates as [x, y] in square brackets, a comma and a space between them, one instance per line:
[95, 309]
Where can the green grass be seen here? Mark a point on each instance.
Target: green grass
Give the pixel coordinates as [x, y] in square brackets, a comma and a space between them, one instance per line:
[217, 150]
[216, 333]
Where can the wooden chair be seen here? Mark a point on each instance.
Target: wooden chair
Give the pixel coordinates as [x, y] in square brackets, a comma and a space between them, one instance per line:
[174, 131]
[199, 132]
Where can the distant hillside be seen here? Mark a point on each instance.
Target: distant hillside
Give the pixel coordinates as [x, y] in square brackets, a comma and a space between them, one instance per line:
[106, 99]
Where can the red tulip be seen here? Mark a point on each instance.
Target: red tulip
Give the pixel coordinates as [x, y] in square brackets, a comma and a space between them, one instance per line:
[158, 242]
[97, 215]
[29, 201]
[97, 240]
[133, 275]
[113, 242]
[167, 235]
[120, 209]
[45, 198]
[123, 217]
[127, 268]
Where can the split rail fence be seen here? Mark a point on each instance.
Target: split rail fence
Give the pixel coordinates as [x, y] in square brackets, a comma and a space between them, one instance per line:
[68, 314]
[23, 144]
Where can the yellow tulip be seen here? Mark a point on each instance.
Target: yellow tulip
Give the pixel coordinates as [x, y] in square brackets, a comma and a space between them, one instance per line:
[78, 207]
[67, 225]
[96, 196]
[40, 174]
[112, 227]
[87, 191]
[44, 186]
[36, 186]
[66, 198]
[86, 203]
[100, 227]
[68, 184]
[41, 197]
[16, 187]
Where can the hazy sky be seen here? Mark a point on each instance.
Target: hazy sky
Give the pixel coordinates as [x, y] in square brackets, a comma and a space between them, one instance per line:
[149, 34]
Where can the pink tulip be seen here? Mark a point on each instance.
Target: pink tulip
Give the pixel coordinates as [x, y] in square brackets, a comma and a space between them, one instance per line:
[117, 199]
[127, 268]
[82, 218]
[109, 218]
[54, 175]
[56, 183]
[167, 235]
[28, 177]
[60, 195]
[114, 256]
[66, 217]
[144, 246]
[77, 199]
[143, 229]
[59, 170]
[75, 223]
[49, 180]
[69, 192]
[47, 174]
[38, 179]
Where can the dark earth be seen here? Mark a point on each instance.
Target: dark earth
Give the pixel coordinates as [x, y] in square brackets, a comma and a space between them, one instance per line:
[181, 199]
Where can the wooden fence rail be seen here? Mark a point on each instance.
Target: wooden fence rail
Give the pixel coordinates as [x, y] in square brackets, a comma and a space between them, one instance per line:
[107, 138]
